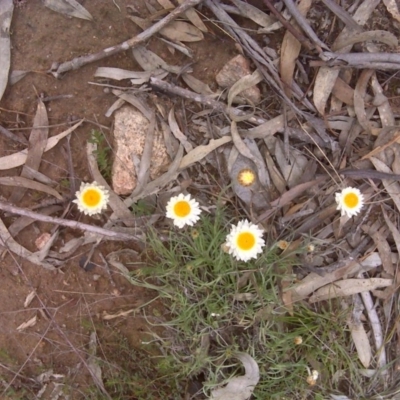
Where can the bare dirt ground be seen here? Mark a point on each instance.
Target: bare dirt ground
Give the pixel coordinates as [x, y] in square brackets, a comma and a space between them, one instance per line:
[76, 299]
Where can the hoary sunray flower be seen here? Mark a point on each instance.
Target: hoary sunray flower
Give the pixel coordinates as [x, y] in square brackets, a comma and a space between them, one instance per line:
[283, 244]
[183, 210]
[246, 177]
[91, 198]
[312, 377]
[298, 340]
[350, 201]
[245, 240]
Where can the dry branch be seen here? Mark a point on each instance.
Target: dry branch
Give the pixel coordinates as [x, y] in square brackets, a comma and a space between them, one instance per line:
[208, 101]
[385, 61]
[292, 8]
[78, 62]
[7, 134]
[66, 222]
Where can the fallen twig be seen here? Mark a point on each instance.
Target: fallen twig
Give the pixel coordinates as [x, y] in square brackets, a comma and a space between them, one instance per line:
[208, 101]
[78, 62]
[376, 327]
[292, 8]
[6, 133]
[66, 222]
[343, 15]
[384, 61]
[286, 24]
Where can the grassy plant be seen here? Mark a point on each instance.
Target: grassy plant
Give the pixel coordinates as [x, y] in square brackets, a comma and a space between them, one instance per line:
[103, 152]
[142, 208]
[216, 306]
[132, 373]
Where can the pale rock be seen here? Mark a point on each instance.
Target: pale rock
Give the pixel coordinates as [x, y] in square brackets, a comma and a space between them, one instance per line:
[130, 129]
[233, 70]
[42, 240]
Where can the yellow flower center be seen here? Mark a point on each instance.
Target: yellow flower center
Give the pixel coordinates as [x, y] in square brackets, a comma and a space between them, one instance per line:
[182, 208]
[245, 241]
[351, 200]
[91, 197]
[246, 177]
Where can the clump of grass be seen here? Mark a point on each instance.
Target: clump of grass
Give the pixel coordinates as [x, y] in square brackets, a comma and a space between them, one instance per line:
[103, 152]
[217, 306]
[130, 373]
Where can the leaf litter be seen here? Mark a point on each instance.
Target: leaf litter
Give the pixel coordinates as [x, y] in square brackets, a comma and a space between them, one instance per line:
[266, 142]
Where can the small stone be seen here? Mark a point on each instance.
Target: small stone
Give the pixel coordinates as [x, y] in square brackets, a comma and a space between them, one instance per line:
[233, 70]
[130, 129]
[41, 241]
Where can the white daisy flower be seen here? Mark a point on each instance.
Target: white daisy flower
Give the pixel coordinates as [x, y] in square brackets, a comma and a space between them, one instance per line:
[91, 198]
[350, 201]
[245, 240]
[183, 210]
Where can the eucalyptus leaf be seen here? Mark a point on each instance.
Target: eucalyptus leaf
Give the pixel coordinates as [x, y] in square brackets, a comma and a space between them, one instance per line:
[68, 7]
[150, 61]
[16, 76]
[240, 387]
[6, 11]
[182, 32]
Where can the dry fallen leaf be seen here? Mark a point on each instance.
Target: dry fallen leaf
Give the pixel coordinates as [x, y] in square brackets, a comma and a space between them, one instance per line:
[357, 37]
[246, 152]
[384, 251]
[293, 167]
[93, 362]
[359, 99]
[177, 131]
[6, 11]
[27, 324]
[392, 187]
[393, 8]
[68, 7]
[394, 231]
[16, 76]
[194, 18]
[37, 144]
[197, 85]
[17, 159]
[182, 32]
[348, 287]
[358, 333]
[268, 128]
[382, 102]
[240, 387]
[253, 13]
[136, 77]
[150, 61]
[313, 281]
[199, 152]
[29, 298]
[25, 183]
[241, 85]
[106, 316]
[290, 50]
